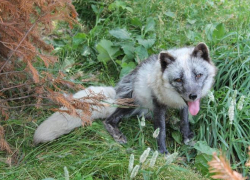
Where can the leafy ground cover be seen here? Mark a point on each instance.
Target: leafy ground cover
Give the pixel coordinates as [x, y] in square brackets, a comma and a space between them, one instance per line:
[114, 37]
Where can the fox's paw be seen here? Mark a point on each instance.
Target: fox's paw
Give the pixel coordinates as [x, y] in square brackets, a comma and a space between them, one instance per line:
[163, 151]
[115, 133]
[190, 135]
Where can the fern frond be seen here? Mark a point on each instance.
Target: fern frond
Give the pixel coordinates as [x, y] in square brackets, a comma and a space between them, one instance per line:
[221, 169]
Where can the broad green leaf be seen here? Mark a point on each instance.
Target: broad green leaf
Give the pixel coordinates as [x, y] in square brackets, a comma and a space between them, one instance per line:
[147, 43]
[177, 136]
[204, 148]
[129, 50]
[150, 25]
[127, 68]
[120, 33]
[106, 50]
[201, 161]
[97, 10]
[141, 53]
[219, 31]
[170, 14]
[119, 4]
[136, 22]
[191, 21]
[79, 38]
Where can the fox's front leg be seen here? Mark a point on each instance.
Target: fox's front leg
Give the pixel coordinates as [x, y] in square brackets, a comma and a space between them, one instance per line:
[111, 124]
[184, 125]
[159, 122]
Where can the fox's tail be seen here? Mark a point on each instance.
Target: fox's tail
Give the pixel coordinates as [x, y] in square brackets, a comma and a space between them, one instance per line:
[61, 123]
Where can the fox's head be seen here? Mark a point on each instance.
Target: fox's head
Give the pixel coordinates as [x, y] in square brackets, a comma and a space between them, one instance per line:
[190, 72]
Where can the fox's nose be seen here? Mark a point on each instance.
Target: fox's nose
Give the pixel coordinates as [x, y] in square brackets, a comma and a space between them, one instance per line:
[192, 96]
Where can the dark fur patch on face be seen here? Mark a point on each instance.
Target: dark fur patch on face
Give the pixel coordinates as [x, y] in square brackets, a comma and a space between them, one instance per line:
[201, 51]
[178, 86]
[165, 60]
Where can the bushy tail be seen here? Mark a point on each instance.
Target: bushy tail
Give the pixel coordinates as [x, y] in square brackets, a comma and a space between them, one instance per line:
[61, 123]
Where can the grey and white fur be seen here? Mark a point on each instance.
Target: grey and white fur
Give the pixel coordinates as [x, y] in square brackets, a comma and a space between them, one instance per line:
[176, 78]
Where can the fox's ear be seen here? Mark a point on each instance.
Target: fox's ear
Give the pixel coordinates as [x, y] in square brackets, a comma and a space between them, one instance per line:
[165, 60]
[201, 51]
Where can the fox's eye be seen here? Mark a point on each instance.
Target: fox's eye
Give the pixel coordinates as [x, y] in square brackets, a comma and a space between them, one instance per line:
[178, 80]
[198, 76]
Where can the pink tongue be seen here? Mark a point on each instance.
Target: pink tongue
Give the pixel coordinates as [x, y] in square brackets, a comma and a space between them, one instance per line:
[194, 107]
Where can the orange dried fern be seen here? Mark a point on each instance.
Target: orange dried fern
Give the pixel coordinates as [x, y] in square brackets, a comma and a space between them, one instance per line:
[221, 169]
[4, 146]
[23, 25]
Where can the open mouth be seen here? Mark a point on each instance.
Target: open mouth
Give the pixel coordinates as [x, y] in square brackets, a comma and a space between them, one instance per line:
[194, 107]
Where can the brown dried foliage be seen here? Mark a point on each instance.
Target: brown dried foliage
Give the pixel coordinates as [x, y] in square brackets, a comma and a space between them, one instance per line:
[221, 169]
[23, 25]
[4, 146]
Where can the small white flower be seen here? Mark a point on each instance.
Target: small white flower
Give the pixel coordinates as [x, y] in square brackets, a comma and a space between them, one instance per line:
[156, 133]
[231, 112]
[211, 96]
[153, 159]
[66, 173]
[131, 162]
[144, 155]
[241, 103]
[143, 124]
[135, 171]
[170, 158]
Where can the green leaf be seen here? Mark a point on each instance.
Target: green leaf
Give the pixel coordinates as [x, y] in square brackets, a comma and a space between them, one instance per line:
[79, 38]
[150, 25]
[204, 148]
[201, 161]
[136, 22]
[119, 4]
[191, 21]
[120, 33]
[147, 43]
[177, 136]
[106, 50]
[129, 50]
[48, 179]
[127, 68]
[170, 14]
[219, 32]
[141, 53]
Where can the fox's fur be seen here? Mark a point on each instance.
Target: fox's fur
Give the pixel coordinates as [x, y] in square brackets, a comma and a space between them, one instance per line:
[61, 123]
[177, 78]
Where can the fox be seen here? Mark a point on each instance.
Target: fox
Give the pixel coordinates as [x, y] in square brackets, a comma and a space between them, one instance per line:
[176, 78]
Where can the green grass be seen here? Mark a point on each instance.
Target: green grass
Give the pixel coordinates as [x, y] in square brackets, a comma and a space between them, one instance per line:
[88, 153]
[114, 38]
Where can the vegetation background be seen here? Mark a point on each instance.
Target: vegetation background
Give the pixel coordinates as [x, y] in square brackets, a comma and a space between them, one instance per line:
[112, 37]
